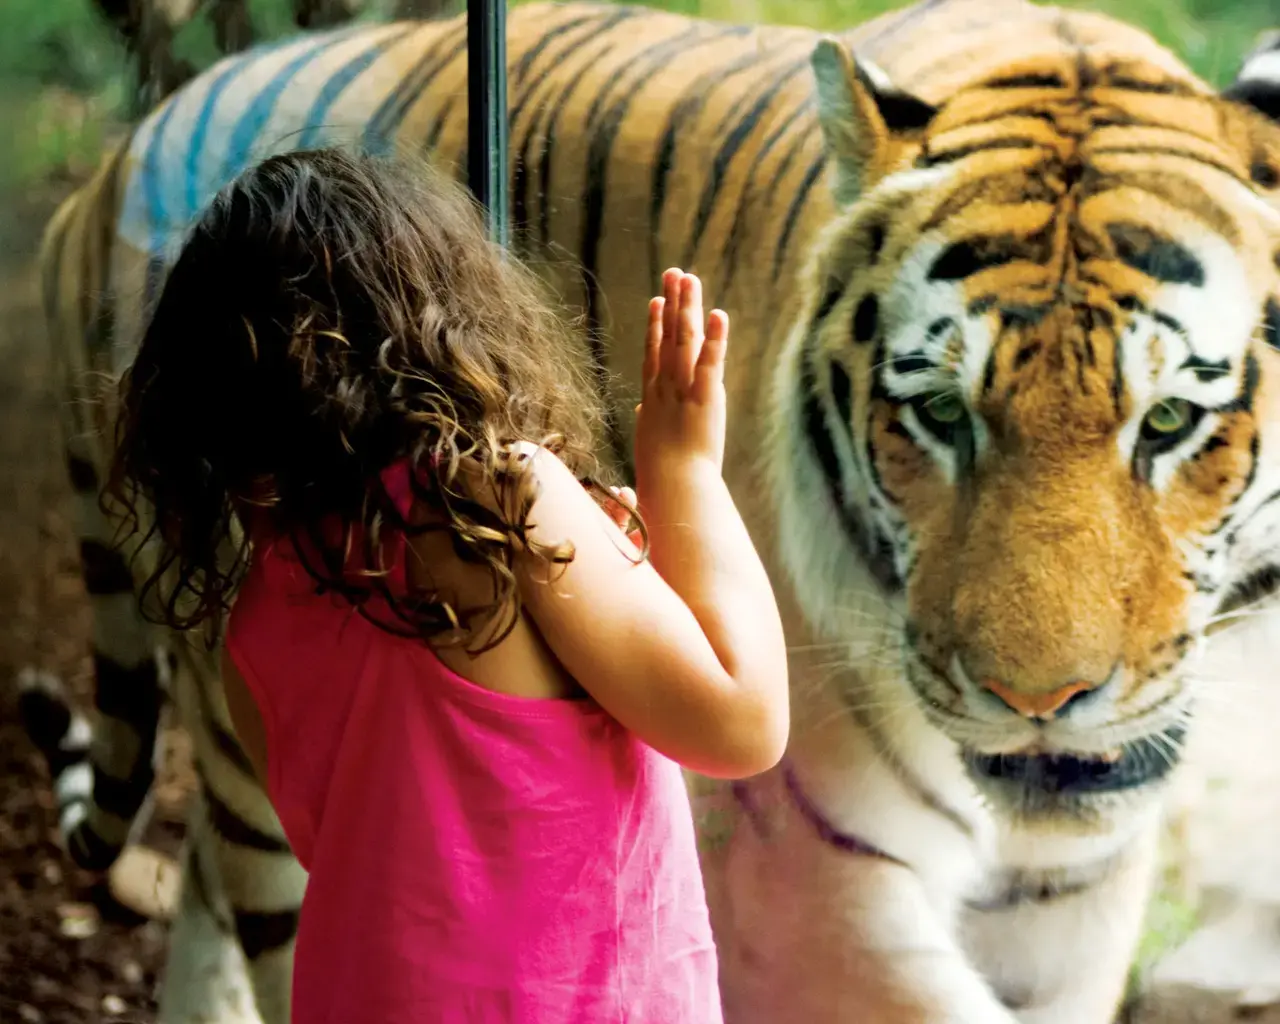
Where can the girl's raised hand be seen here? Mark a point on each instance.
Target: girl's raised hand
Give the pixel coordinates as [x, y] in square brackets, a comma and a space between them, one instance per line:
[685, 648]
[681, 417]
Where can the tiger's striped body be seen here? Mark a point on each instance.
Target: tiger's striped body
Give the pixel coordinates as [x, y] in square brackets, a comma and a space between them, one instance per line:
[877, 247]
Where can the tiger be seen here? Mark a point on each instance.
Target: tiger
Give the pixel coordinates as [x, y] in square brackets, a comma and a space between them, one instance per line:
[1004, 280]
[1258, 80]
[242, 887]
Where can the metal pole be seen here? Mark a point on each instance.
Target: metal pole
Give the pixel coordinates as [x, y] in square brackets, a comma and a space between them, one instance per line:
[487, 110]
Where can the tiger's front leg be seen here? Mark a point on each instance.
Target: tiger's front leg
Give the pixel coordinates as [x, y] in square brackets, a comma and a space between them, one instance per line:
[808, 931]
[1057, 943]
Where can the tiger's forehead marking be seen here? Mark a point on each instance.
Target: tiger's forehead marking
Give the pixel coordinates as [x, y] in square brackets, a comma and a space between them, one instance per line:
[1108, 194]
[1165, 304]
[1185, 338]
[930, 319]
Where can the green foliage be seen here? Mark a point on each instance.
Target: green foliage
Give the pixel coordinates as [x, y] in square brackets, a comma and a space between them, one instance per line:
[61, 42]
[54, 134]
[61, 71]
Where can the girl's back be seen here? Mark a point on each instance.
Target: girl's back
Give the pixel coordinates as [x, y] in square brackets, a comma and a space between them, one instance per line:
[427, 808]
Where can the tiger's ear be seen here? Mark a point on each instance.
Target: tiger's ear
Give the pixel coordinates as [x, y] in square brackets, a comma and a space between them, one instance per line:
[1258, 82]
[1257, 86]
[860, 112]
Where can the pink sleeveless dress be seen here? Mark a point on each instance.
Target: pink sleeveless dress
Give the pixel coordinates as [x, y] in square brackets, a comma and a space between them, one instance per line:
[474, 858]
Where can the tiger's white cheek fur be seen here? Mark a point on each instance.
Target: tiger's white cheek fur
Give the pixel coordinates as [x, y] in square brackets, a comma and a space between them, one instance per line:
[858, 630]
[835, 590]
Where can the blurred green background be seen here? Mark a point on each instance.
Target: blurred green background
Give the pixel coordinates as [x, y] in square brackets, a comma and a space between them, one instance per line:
[63, 78]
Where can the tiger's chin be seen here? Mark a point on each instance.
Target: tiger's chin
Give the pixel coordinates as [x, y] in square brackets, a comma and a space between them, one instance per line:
[1038, 781]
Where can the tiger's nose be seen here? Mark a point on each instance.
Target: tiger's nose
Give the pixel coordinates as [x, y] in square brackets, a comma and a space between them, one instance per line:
[1040, 705]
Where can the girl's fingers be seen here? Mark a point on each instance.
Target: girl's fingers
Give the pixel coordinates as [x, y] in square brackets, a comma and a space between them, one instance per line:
[671, 292]
[670, 317]
[653, 342]
[689, 333]
[675, 349]
[709, 371]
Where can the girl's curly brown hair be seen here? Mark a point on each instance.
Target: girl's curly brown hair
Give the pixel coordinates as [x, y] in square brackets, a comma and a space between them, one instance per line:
[328, 315]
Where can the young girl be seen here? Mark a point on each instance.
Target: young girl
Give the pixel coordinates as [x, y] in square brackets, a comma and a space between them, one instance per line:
[468, 694]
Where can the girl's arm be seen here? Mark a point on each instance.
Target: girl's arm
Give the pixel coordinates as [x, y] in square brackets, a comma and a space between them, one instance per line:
[685, 650]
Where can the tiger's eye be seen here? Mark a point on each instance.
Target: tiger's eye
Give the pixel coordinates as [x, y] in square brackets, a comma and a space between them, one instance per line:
[1168, 417]
[945, 408]
[945, 415]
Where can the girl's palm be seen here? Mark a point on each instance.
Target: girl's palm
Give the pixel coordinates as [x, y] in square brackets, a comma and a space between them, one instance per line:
[682, 413]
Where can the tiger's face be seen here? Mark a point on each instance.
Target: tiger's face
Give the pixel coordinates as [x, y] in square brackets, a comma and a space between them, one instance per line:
[1029, 394]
